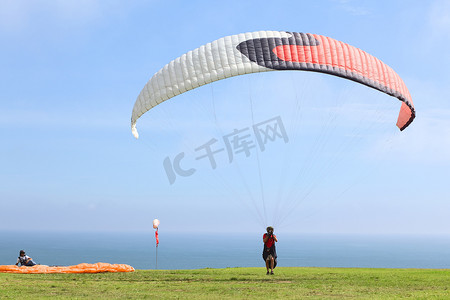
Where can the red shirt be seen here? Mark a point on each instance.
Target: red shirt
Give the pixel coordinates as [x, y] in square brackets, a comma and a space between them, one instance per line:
[270, 241]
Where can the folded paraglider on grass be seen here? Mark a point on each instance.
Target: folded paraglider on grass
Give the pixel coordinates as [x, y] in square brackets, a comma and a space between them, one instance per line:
[80, 268]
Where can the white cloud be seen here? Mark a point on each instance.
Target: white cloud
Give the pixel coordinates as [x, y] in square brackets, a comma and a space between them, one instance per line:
[439, 19]
[355, 9]
[19, 15]
[426, 141]
[12, 15]
[10, 118]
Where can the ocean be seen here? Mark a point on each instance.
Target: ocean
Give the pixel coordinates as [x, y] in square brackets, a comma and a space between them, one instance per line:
[196, 251]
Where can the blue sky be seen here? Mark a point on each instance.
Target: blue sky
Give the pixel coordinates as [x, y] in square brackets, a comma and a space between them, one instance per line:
[70, 72]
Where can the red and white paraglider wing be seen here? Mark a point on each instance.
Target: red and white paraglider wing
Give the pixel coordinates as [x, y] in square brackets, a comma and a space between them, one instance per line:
[269, 51]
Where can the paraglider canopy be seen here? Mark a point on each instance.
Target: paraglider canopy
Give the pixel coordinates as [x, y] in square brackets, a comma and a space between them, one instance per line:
[264, 51]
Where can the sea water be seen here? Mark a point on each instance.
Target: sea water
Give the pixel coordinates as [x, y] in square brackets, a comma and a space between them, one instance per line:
[195, 250]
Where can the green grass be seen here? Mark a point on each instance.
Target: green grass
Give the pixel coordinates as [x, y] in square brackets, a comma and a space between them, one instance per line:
[233, 283]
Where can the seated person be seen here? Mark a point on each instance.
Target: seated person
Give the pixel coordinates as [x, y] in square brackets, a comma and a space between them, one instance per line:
[25, 260]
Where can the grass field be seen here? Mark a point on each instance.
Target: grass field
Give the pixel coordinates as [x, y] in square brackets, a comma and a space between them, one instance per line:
[233, 283]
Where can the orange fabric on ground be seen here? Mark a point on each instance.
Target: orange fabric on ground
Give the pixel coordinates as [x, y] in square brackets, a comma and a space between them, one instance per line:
[81, 268]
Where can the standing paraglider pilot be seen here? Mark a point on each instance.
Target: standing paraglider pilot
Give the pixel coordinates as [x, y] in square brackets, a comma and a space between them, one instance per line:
[270, 252]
